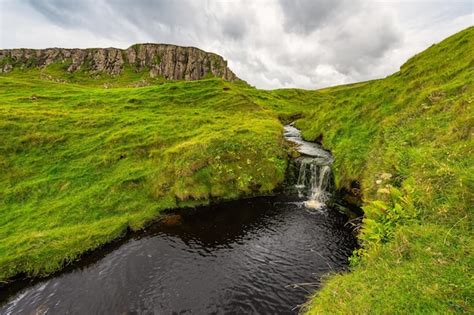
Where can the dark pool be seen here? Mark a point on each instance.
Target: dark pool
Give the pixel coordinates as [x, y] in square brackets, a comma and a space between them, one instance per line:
[243, 257]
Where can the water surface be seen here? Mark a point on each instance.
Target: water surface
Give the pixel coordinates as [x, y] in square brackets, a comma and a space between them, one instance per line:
[309, 149]
[243, 257]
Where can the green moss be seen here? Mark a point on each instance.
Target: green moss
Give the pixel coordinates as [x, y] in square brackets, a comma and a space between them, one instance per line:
[156, 60]
[209, 75]
[6, 60]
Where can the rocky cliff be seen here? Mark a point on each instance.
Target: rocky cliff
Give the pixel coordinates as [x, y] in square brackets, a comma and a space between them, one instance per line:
[168, 61]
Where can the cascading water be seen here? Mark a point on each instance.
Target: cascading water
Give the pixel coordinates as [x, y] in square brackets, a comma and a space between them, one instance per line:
[314, 177]
[313, 183]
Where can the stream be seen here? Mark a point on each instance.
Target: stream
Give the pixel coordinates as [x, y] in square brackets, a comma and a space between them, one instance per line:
[254, 256]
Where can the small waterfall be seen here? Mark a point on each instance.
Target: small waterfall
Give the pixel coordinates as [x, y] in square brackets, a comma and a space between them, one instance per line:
[314, 178]
[313, 182]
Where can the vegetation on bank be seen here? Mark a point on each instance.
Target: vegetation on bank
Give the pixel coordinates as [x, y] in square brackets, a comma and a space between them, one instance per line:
[408, 139]
[84, 163]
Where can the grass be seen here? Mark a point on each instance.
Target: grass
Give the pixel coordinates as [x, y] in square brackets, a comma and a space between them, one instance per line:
[83, 164]
[408, 139]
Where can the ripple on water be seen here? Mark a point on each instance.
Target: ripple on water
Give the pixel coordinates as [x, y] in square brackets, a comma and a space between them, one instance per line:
[240, 257]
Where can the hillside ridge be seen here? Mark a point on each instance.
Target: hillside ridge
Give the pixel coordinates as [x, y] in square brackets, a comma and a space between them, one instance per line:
[160, 60]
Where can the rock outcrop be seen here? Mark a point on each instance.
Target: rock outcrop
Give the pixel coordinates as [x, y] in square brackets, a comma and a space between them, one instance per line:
[168, 61]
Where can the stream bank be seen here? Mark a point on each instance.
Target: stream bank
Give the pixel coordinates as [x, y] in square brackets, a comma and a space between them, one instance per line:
[259, 255]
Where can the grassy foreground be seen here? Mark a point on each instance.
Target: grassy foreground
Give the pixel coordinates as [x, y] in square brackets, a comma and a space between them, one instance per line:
[84, 163]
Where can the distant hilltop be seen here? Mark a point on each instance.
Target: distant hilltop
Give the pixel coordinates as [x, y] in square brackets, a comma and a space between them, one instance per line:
[168, 61]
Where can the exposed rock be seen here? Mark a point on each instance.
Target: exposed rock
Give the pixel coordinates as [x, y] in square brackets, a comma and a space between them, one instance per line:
[169, 61]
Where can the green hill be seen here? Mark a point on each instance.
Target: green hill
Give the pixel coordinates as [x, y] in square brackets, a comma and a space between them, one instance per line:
[83, 164]
[408, 140]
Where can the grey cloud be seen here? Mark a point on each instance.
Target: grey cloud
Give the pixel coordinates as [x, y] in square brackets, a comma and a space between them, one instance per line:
[305, 16]
[351, 35]
[234, 28]
[62, 12]
[355, 49]
[118, 18]
[174, 14]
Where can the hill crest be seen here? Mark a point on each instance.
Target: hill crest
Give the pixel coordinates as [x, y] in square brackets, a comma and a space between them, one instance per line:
[160, 60]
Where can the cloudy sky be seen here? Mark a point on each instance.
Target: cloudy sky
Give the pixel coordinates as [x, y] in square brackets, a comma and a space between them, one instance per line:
[270, 44]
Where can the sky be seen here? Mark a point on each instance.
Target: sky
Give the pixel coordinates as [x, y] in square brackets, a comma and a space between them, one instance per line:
[268, 43]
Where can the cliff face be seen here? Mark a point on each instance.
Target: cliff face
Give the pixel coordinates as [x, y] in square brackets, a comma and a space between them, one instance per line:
[169, 61]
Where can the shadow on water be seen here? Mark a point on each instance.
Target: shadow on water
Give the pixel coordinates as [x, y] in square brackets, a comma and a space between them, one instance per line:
[240, 257]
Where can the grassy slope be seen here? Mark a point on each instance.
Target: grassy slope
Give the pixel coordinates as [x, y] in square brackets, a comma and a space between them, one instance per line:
[84, 162]
[409, 140]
